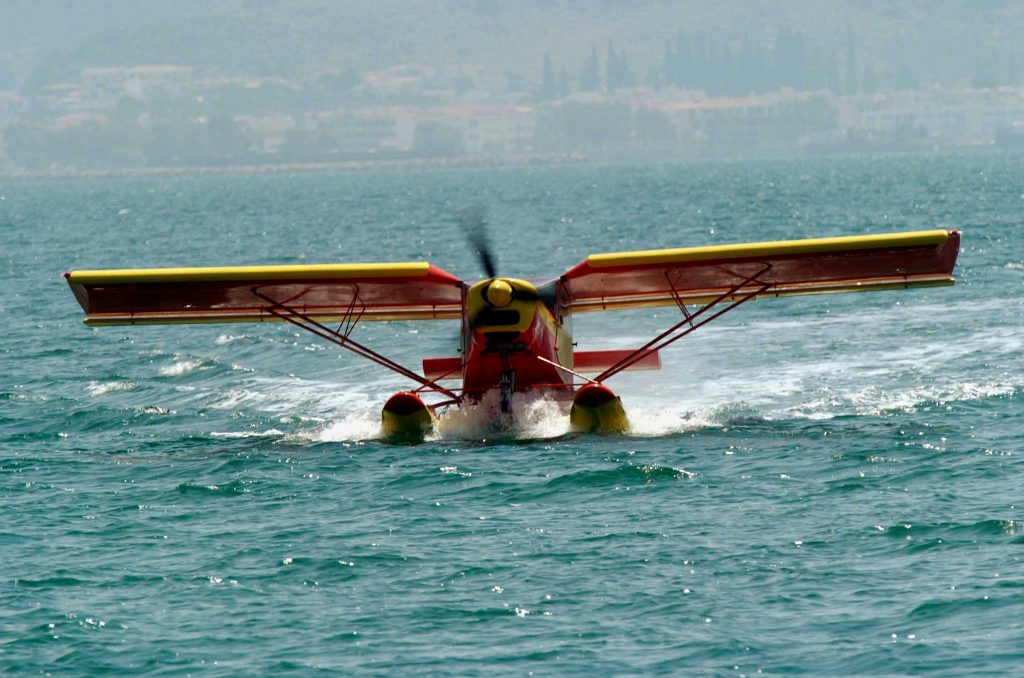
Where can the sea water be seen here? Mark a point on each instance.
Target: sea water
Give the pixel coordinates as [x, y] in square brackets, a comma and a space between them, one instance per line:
[820, 485]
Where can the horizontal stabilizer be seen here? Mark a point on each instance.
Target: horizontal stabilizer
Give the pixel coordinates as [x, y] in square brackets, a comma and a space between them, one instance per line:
[599, 361]
[592, 362]
[436, 369]
[698, 275]
[331, 292]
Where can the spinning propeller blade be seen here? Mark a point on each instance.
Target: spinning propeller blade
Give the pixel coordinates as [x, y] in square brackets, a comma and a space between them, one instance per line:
[474, 222]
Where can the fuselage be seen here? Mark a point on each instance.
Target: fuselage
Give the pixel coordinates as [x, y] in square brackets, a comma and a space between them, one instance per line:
[515, 337]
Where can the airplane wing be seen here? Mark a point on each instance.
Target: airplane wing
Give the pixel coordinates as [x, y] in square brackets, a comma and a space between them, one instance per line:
[332, 292]
[698, 275]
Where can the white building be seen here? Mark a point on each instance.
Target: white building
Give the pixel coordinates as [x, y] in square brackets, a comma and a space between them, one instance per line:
[107, 85]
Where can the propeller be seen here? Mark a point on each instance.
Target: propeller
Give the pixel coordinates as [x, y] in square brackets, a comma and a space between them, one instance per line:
[473, 220]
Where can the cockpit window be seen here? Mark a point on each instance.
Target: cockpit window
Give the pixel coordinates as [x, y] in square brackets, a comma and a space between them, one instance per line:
[548, 294]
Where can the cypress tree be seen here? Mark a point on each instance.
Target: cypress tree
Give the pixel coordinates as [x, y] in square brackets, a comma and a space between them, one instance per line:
[549, 88]
[590, 74]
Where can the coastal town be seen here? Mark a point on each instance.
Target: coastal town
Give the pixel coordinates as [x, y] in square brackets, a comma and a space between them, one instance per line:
[165, 116]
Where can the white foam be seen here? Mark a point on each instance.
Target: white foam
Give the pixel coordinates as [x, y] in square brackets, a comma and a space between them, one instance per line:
[837, 365]
[293, 396]
[247, 434]
[180, 368]
[664, 421]
[98, 388]
[353, 428]
[535, 418]
[225, 339]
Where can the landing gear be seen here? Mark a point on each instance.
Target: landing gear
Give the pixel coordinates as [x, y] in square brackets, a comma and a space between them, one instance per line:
[508, 387]
[595, 409]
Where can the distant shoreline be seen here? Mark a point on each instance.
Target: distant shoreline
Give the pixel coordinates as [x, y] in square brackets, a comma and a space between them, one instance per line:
[548, 159]
[302, 167]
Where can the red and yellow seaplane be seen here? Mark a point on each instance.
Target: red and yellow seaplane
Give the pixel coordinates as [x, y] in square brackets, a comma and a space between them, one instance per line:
[516, 335]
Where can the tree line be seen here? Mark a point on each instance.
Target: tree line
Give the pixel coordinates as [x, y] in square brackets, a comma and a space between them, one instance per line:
[725, 66]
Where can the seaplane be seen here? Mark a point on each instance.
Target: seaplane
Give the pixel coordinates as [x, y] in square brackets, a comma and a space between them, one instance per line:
[516, 335]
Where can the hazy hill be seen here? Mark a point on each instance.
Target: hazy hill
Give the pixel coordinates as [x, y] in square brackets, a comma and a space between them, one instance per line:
[48, 41]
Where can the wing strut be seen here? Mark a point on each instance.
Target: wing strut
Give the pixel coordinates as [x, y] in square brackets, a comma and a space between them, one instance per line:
[672, 335]
[341, 337]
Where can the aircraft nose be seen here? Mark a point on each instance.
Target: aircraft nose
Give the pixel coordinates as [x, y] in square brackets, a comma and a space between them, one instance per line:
[499, 293]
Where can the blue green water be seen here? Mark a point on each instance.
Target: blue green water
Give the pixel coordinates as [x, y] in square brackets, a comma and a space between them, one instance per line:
[820, 485]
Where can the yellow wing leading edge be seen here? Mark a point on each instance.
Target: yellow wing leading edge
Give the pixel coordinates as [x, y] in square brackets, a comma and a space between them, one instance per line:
[812, 266]
[386, 291]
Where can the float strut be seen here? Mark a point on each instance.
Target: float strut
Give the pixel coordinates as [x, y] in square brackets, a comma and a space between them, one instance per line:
[667, 337]
[303, 321]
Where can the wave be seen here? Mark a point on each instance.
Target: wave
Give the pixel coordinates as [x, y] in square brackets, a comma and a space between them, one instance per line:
[99, 388]
[546, 419]
[354, 428]
[649, 421]
[624, 474]
[230, 489]
[873, 400]
[225, 339]
[710, 393]
[535, 419]
[180, 368]
[981, 528]
[273, 432]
